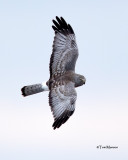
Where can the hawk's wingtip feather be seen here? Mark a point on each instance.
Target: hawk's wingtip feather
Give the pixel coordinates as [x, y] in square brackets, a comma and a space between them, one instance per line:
[60, 25]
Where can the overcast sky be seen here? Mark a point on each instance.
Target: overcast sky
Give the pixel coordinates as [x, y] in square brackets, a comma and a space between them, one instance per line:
[101, 115]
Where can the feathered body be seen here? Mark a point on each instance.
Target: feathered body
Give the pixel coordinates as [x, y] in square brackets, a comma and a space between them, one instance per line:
[63, 79]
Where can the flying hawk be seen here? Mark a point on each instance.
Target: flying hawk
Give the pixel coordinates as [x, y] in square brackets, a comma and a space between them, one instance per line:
[63, 79]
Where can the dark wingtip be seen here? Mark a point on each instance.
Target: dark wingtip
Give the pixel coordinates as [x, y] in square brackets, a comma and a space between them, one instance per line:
[62, 119]
[55, 29]
[70, 28]
[60, 25]
[57, 17]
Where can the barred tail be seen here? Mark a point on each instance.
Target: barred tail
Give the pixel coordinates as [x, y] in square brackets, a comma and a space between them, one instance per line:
[33, 89]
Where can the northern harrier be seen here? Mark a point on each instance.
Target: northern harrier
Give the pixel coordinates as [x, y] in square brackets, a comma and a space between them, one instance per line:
[63, 79]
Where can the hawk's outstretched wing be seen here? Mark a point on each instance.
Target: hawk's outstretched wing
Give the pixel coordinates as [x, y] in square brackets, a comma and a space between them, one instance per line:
[62, 100]
[65, 51]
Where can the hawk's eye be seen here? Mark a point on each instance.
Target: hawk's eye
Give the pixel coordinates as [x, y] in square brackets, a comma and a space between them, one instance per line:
[81, 79]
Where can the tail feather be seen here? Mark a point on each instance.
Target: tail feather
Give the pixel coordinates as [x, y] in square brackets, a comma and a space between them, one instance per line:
[33, 89]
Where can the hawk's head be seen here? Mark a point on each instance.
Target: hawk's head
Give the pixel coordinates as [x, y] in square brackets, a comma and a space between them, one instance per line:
[79, 80]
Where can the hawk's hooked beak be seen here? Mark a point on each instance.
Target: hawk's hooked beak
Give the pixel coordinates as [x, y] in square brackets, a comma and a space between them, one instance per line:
[83, 79]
